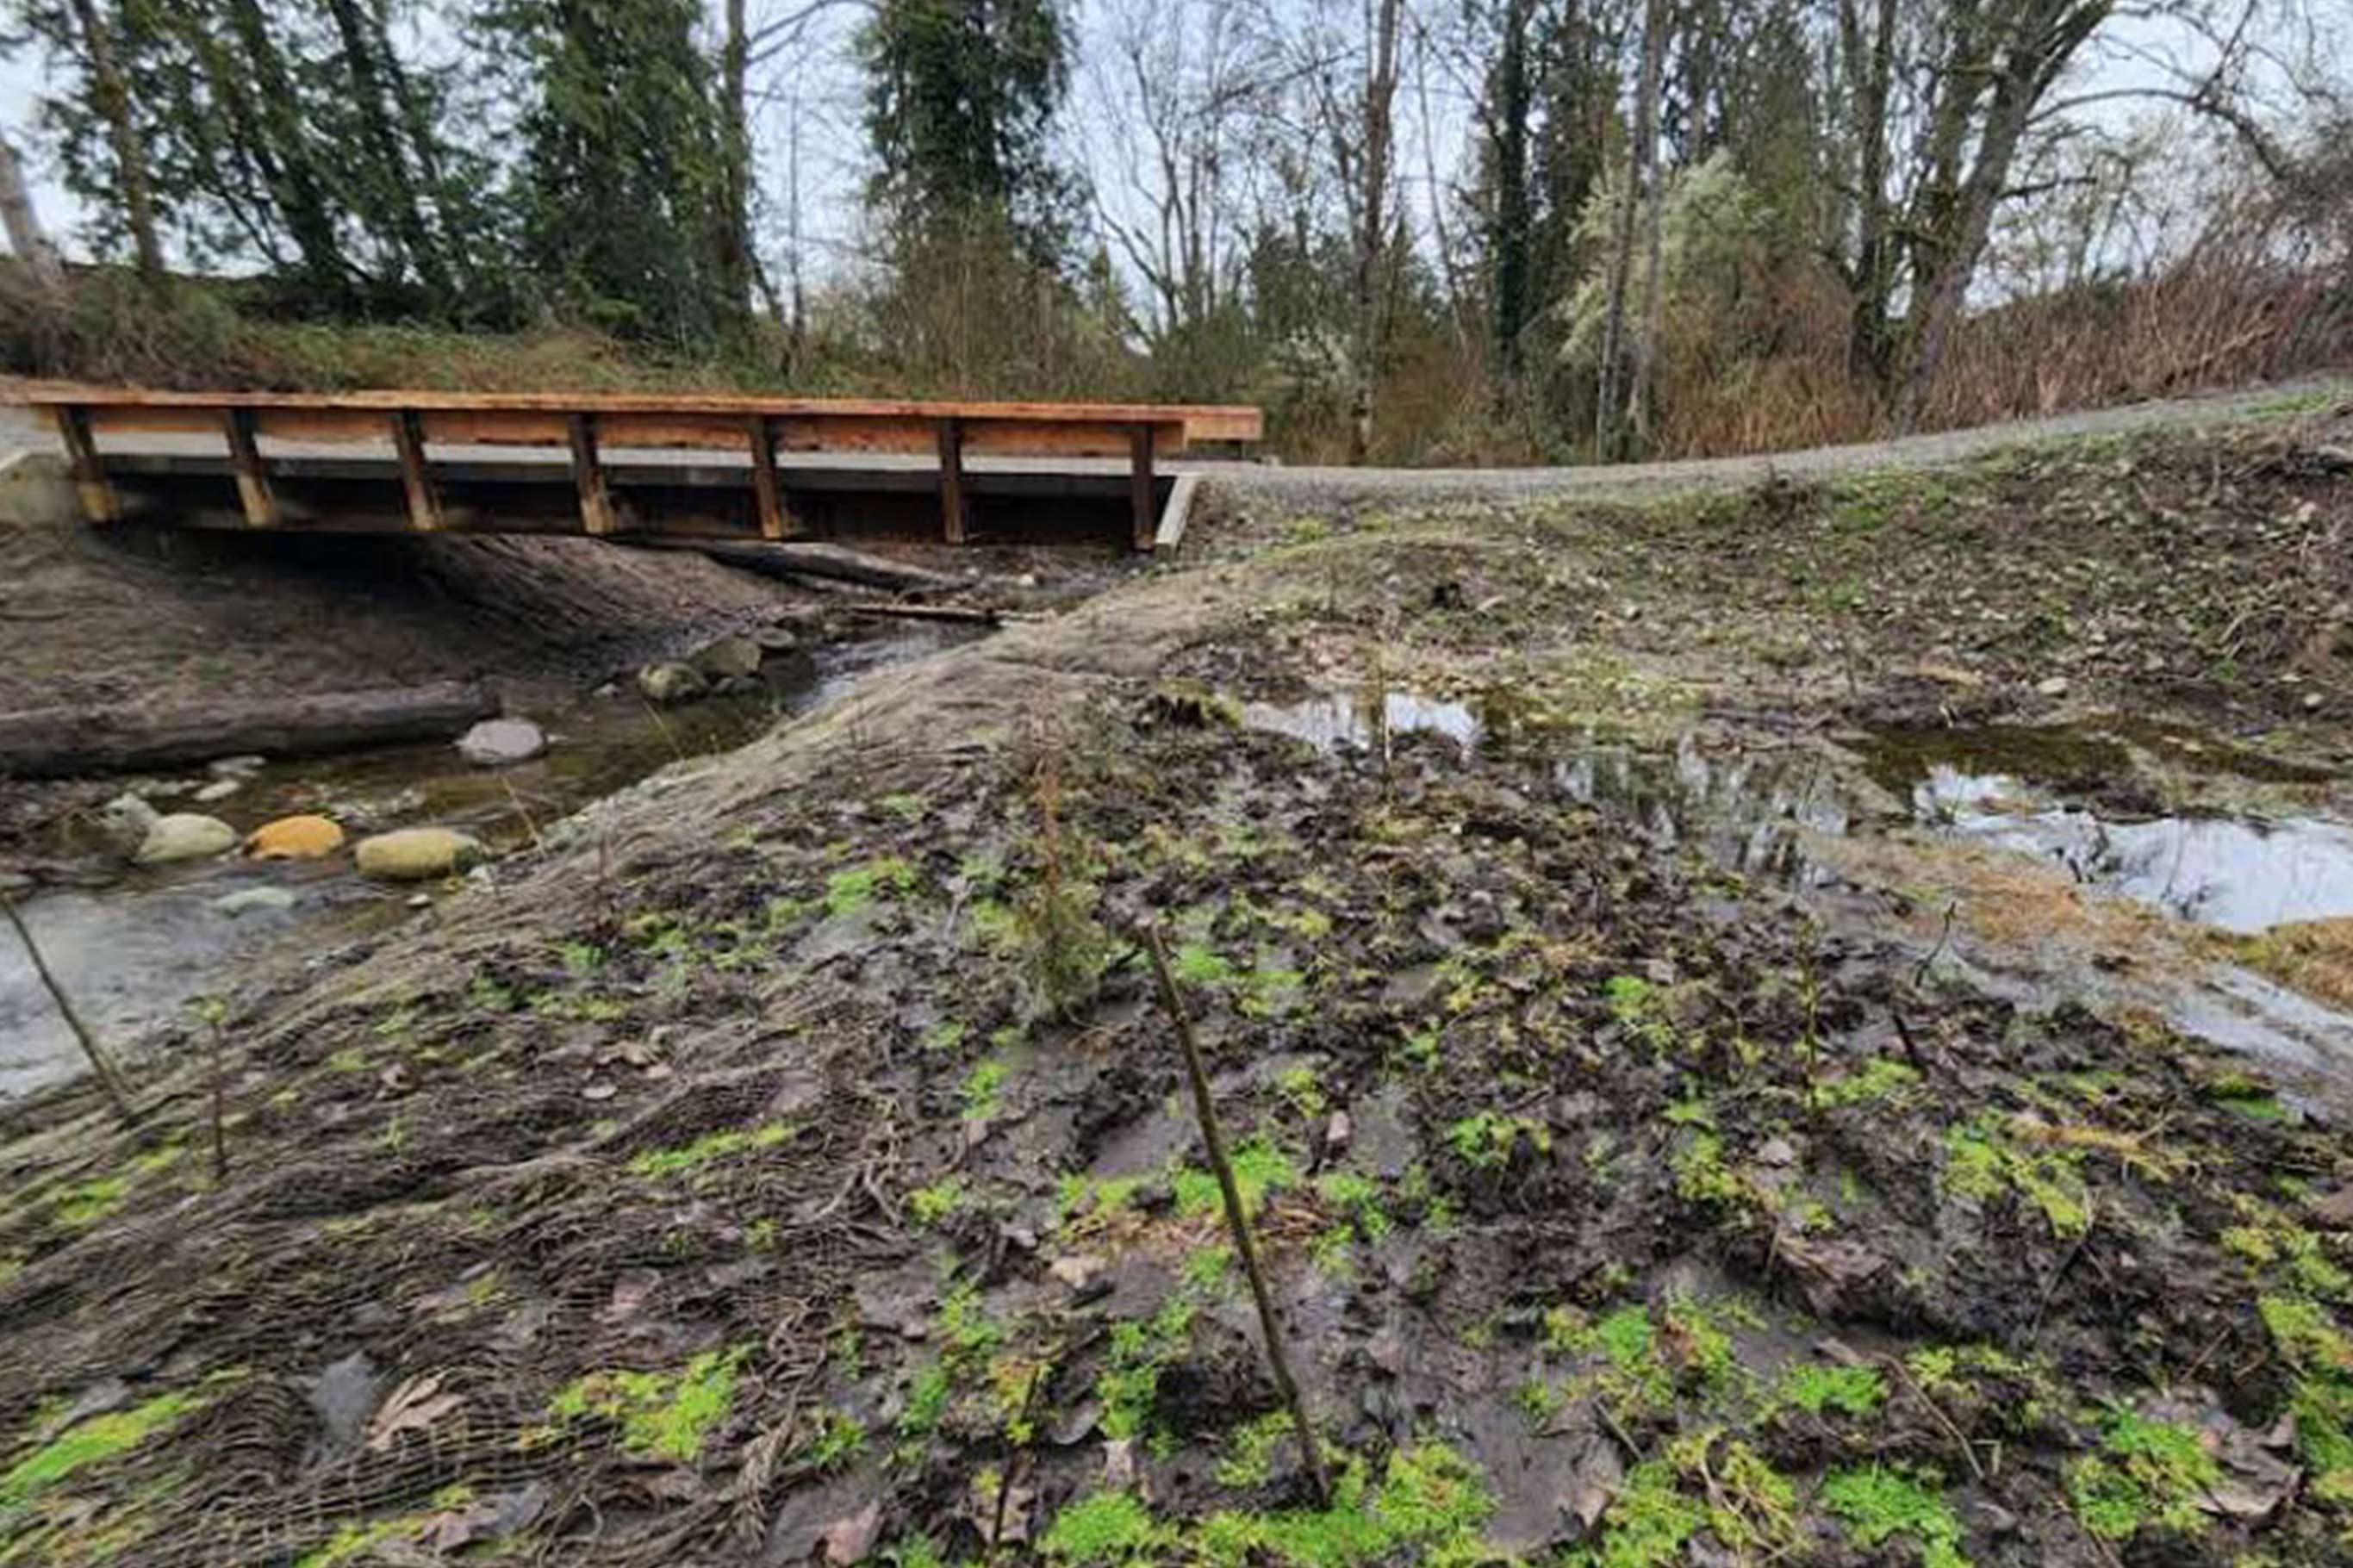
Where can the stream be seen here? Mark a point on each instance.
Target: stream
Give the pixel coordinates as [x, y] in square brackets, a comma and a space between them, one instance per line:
[131, 953]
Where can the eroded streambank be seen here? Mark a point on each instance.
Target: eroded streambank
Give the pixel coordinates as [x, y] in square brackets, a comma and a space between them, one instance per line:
[1680, 1130]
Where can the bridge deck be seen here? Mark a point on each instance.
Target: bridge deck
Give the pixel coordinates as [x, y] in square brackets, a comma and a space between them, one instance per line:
[727, 465]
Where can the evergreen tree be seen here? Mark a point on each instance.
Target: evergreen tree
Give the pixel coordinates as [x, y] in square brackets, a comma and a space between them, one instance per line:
[624, 177]
[961, 97]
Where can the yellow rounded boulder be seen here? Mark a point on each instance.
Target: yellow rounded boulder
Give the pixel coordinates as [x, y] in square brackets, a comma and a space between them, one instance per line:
[295, 839]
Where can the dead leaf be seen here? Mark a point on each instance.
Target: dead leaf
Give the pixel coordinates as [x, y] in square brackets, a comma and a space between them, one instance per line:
[414, 1407]
[629, 1293]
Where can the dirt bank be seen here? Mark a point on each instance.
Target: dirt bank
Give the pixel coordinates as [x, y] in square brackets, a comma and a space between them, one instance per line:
[786, 1162]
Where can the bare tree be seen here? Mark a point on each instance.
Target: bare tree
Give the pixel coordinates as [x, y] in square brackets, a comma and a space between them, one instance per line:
[1174, 82]
[25, 237]
[1641, 169]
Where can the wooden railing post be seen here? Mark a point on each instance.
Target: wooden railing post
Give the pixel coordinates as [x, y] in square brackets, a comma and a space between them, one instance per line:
[1140, 479]
[252, 478]
[589, 476]
[951, 503]
[765, 490]
[99, 501]
[416, 478]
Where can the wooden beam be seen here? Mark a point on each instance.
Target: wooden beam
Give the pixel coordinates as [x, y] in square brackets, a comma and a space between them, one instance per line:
[766, 493]
[99, 501]
[952, 502]
[1147, 517]
[252, 478]
[588, 477]
[416, 478]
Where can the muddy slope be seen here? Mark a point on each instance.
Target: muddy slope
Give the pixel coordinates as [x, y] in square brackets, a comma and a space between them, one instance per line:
[787, 1163]
[153, 616]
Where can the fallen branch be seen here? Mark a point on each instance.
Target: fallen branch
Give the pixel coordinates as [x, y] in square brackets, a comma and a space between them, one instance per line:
[1237, 1217]
[109, 1077]
[809, 559]
[964, 612]
[54, 742]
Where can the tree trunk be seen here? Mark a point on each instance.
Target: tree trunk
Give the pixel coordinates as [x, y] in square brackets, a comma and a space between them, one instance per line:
[51, 743]
[113, 101]
[1372, 234]
[735, 187]
[1512, 217]
[25, 237]
[1609, 416]
[1646, 141]
[1870, 66]
[360, 42]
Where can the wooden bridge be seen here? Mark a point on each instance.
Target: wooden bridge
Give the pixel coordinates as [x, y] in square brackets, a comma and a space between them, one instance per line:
[703, 465]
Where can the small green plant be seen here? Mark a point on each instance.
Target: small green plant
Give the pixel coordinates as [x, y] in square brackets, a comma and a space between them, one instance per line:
[711, 1147]
[1260, 1171]
[928, 1393]
[89, 1442]
[847, 892]
[1102, 1529]
[983, 1090]
[928, 1205]
[1484, 1140]
[835, 1440]
[1250, 1450]
[1814, 1388]
[1130, 1385]
[1881, 1078]
[665, 1415]
[1882, 1502]
[1983, 1161]
[2147, 1472]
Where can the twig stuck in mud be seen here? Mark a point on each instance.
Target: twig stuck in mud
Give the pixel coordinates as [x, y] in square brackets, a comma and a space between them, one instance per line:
[1969, 1449]
[1237, 1217]
[1928, 959]
[213, 1011]
[525, 812]
[110, 1078]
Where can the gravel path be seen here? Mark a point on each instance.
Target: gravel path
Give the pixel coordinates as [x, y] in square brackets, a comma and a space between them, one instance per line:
[1339, 484]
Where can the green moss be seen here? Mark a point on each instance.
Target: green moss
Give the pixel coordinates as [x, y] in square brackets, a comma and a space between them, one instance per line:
[1129, 1386]
[711, 1147]
[89, 1442]
[1250, 1450]
[1702, 1176]
[928, 1205]
[1880, 1503]
[1428, 1508]
[2321, 1398]
[983, 1090]
[1096, 1198]
[1982, 1160]
[663, 1415]
[91, 1200]
[836, 1439]
[1649, 1522]
[2145, 1473]
[1813, 1388]
[1260, 1169]
[927, 1402]
[1356, 1196]
[1484, 1140]
[1104, 1529]
[1878, 1079]
[848, 892]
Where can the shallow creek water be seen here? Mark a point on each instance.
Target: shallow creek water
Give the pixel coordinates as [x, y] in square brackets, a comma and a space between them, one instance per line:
[131, 953]
[2050, 794]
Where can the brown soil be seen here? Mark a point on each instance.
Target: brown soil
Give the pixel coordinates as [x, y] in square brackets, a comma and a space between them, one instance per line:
[789, 1160]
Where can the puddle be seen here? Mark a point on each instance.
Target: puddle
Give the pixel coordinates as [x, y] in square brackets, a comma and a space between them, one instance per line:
[1336, 719]
[2243, 875]
[1748, 810]
[136, 952]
